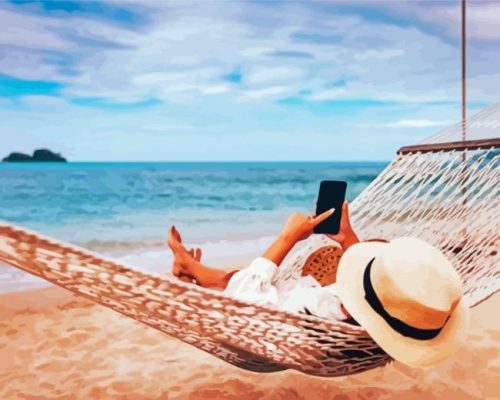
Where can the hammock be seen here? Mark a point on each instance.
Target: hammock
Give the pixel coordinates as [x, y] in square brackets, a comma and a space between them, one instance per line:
[446, 197]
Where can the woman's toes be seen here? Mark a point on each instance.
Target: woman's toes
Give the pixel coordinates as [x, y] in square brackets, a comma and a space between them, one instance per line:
[174, 240]
[176, 234]
[171, 236]
[197, 254]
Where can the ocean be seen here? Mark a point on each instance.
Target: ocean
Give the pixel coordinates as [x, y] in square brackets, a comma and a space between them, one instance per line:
[230, 209]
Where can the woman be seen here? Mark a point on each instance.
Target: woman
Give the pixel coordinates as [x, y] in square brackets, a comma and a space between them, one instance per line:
[254, 283]
[404, 293]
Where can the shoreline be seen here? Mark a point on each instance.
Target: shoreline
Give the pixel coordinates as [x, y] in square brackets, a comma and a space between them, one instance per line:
[157, 260]
[54, 344]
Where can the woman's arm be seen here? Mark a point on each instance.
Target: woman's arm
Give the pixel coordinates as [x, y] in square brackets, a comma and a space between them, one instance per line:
[297, 228]
[278, 250]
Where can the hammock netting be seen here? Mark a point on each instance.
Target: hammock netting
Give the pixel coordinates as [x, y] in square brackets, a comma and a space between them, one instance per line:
[448, 198]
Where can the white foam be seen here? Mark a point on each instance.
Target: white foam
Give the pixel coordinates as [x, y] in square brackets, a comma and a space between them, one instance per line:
[221, 253]
[156, 260]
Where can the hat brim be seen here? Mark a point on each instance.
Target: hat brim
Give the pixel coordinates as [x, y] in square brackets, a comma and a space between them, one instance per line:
[409, 351]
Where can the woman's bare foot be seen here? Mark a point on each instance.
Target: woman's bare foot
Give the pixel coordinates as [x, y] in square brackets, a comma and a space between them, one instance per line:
[195, 253]
[187, 266]
[183, 258]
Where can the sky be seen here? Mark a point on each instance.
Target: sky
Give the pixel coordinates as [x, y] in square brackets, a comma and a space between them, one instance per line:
[238, 80]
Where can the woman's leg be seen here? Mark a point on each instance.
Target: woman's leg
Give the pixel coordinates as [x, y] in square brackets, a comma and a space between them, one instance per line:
[187, 263]
[298, 227]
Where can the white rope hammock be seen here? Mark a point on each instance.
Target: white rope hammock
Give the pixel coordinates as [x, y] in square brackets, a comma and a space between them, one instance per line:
[448, 198]
[481, 126]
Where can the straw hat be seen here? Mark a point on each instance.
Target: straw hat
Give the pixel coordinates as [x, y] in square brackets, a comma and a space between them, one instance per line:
[407, 296]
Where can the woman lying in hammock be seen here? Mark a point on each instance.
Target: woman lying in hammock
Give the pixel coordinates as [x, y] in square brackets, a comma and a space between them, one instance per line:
[253, 284]
[404, 293]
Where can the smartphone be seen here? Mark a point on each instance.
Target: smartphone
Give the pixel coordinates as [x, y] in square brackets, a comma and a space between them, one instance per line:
[331, 195]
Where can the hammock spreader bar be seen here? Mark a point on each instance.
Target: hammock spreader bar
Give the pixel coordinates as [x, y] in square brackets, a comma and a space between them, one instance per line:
[459, 145]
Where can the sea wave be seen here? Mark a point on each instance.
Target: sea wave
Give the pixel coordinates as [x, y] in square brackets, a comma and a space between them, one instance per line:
[124, 210]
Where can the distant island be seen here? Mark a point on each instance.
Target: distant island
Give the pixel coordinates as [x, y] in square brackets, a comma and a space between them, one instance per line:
[38, 156]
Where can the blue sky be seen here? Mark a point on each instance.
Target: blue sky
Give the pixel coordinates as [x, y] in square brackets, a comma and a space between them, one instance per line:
[238, 80]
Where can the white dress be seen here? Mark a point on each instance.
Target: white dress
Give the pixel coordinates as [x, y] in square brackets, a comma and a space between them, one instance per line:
[305, 295]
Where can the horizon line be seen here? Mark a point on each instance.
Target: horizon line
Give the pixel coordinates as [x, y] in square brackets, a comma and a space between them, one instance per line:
[186, 161]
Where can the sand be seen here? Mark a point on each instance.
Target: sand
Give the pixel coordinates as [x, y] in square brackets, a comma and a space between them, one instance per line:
[54, 345]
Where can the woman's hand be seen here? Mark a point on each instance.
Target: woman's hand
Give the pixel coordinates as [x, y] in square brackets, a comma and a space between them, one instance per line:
[300, 226]
[346, 236]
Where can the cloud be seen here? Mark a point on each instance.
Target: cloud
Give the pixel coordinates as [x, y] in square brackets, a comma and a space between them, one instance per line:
[242, 69]
[215, 89]
[256, 51]
[384, 54]
[103, 103]
[485, 21]
[483, 18]
[260, 74]
[42, 100]
[408, 123]
[30, 31]
[265, 92]
[197, 45]
[329, 94]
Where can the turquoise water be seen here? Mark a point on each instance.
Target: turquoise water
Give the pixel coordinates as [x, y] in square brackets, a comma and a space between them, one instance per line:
[134, 202]
[127, 207]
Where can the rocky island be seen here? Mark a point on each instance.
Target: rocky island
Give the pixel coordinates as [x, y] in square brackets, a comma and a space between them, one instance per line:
[40, 155]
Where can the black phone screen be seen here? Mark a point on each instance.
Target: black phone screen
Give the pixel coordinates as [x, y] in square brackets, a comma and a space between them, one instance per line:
[331, 195]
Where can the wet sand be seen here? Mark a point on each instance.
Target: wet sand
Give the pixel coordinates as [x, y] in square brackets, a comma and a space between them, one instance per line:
[54, 345]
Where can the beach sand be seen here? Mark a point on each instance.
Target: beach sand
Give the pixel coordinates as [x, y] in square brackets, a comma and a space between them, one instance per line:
[54, 345]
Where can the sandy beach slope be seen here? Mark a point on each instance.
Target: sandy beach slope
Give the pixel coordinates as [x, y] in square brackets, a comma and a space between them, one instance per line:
[54, 345]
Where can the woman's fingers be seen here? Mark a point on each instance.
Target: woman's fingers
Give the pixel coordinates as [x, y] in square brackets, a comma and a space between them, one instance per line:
[315, 208]
[345, 208]
[321, 217]
[344, 222]
[339, 237]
